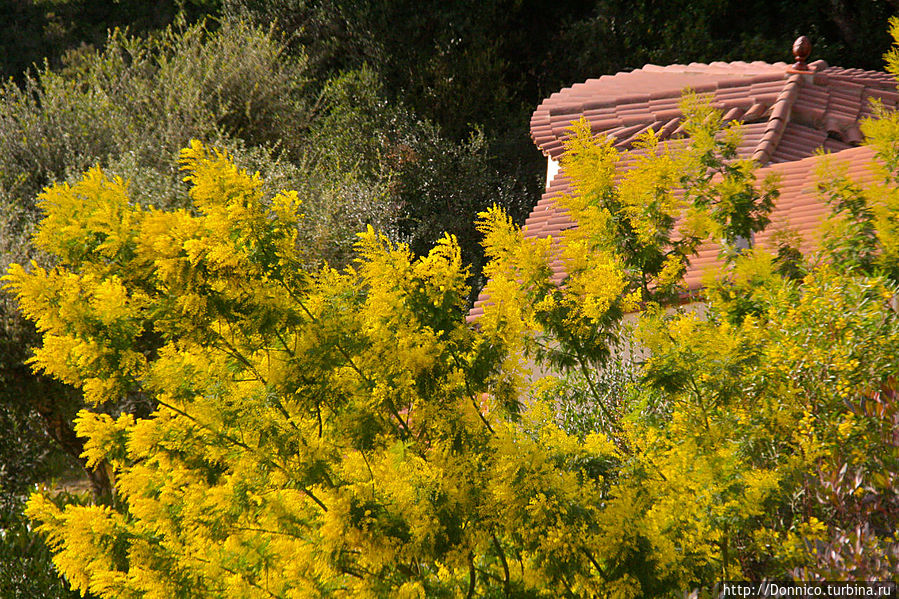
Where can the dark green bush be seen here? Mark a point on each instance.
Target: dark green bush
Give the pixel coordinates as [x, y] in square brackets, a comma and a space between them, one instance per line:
[34, 31]
[429, 182]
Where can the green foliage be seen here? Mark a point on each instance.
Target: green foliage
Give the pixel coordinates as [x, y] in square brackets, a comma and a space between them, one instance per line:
[428, 183]
[30, 454]
[607, 36]
[445, 61]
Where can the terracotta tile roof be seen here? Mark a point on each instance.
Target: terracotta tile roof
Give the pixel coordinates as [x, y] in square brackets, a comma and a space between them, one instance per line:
[830, 99]
[786, 117]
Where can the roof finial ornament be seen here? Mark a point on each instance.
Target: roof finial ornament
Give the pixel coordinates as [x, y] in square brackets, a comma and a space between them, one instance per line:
[802, 47]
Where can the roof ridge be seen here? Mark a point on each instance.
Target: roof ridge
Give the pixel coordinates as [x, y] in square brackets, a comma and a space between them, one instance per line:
[777, 122]
[850, 73]
[735, 66]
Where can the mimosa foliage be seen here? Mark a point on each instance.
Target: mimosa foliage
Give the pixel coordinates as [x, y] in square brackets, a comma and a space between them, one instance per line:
[348, 434]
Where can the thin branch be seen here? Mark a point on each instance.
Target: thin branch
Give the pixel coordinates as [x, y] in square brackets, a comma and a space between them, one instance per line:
[289, 351]
[318, 414]
[700, 401]
[595, 392]
[594, 562]
[267, 531]
[246, 578]
[502, 557]
[471, 576]
[471, 395]
[235, 353]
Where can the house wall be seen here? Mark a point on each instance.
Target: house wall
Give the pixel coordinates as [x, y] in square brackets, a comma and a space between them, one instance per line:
[552, 167]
